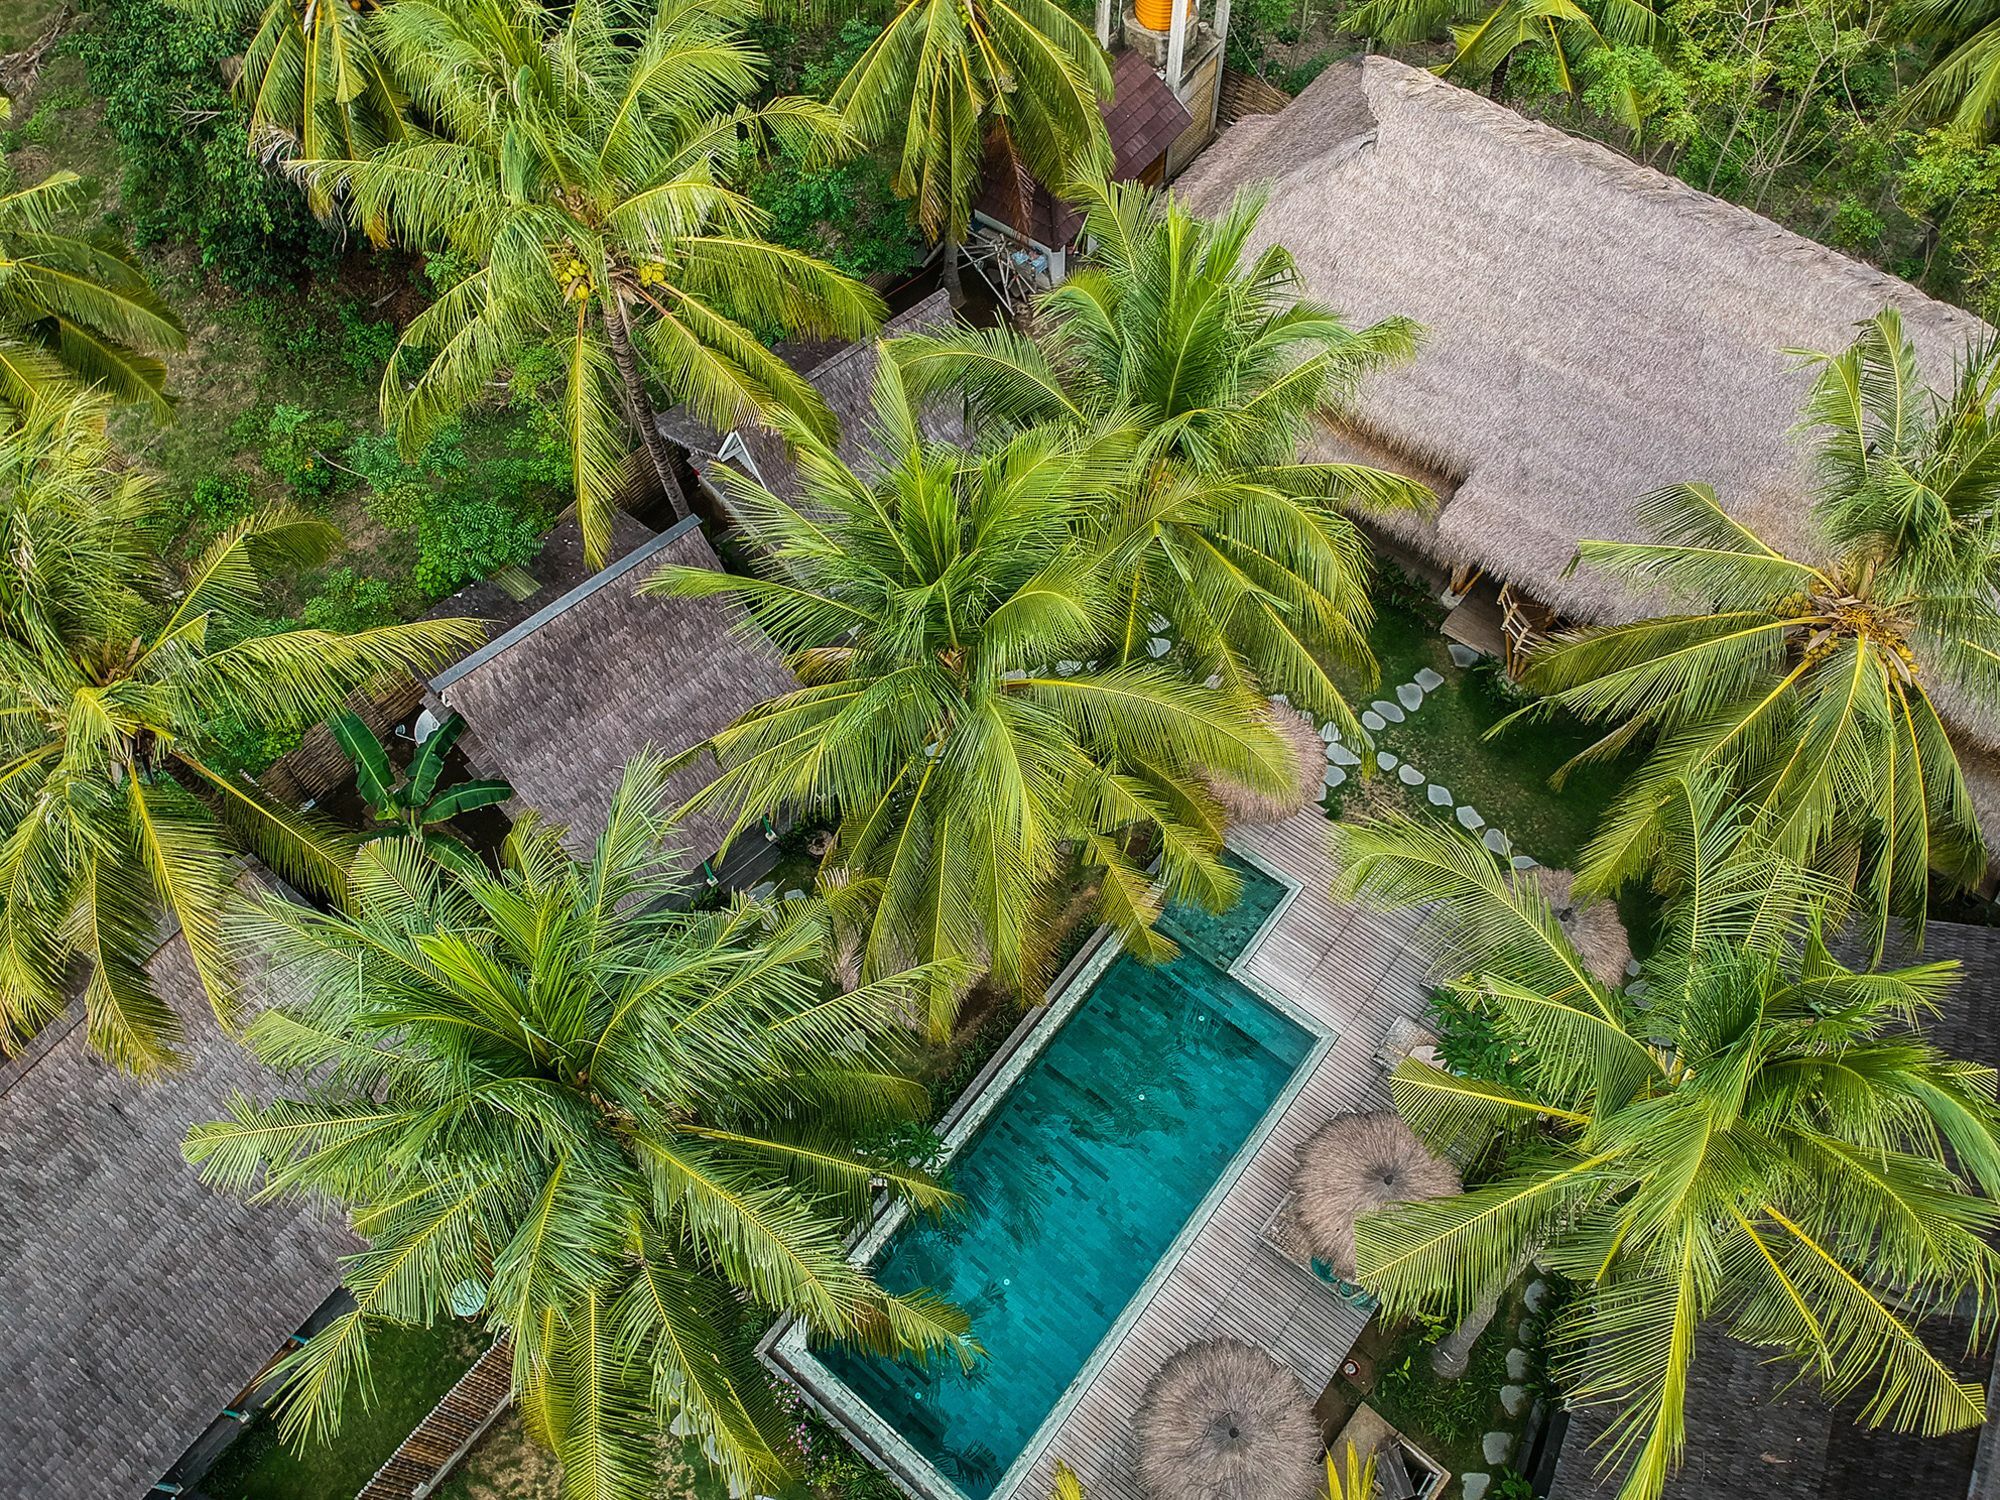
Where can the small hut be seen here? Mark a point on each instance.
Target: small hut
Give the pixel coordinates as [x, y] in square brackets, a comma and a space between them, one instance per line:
[1356, 1164]
[1224, 1421]
[1592, 926]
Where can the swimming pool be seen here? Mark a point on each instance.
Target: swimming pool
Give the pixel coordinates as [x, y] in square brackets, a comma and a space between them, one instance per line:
[1076, 1182]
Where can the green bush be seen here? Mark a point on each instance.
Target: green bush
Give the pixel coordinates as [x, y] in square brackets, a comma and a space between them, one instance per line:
[848, 214]
[187, 168]
[347, 601]
[296, 444]
[365, 343]
[218, 499]
[469, 514]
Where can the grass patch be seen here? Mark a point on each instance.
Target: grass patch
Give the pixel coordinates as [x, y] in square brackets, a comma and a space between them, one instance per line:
[1448, 1418]
[1506, 778]
[412, 1368]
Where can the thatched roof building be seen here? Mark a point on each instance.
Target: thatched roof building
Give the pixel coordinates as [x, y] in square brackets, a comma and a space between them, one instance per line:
[844, 375]
[558, 704]
[138, 1302]
[1594, 329]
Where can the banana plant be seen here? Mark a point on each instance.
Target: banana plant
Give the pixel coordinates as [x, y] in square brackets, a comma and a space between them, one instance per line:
[412, 804]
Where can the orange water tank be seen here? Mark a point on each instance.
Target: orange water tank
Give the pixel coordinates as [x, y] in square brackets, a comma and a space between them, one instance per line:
[1158, 15]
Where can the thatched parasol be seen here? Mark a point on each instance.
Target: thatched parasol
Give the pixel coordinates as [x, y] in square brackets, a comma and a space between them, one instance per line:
[1592, 926]
[1224, 1421]
[1241, 805]
[1355, 1164]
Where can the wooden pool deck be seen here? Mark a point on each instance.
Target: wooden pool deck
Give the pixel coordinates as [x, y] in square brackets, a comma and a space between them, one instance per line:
[1354, 972]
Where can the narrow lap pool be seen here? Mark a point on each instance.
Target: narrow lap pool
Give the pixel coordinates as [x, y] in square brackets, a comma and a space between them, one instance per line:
[1076, 1183]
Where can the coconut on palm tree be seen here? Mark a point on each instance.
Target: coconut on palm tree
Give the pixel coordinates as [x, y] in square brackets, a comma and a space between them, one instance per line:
[1226, 371]
[118, 681]
[949, 82]
[313, 78]
[584, 158]
[973, 758]
[1817, 679]
[1764, 1146]
[74, 314]
[627, 1128]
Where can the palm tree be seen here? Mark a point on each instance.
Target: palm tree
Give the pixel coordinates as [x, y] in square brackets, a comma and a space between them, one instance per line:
[1487, 33]
[1962, 81]
[584, 160]
[74, 314]
[940, 615]
[628, 1126]
[949, 81]
[1764, 1144]
[1813, 681]
[117, 680]
[313, 77]
[1227, 372]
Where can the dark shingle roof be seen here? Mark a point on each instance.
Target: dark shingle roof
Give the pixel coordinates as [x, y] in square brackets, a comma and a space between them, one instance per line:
[562, 701]
[1753, 1434]
[137, 1302]
[845, 378]
[1143, 119]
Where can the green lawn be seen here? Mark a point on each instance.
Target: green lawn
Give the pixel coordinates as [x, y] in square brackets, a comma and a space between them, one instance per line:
[1505, 778]
[411, 1367]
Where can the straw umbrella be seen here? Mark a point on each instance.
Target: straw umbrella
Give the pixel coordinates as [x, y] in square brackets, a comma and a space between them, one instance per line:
[1592, 926]
[1355, 1164]
[1224, 1421]
[1241, 805]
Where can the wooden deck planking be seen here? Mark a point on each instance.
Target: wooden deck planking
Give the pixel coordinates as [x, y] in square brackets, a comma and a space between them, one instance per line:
[1354, 972]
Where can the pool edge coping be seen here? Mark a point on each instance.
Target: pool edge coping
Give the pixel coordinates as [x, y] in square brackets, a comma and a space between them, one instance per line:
[784, 1348]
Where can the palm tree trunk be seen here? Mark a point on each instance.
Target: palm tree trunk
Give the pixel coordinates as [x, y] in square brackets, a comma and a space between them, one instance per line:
[1497, 84]
[954, 285]
[619, 332]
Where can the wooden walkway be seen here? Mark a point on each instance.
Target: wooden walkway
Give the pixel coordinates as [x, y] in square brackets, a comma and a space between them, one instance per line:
[1354, 972]
[454, 1425]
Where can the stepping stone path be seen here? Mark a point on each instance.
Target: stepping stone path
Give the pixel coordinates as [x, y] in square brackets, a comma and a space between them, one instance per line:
[1495, 840]
[1497, 1446]
[1158, 646]
[1469, 819]
[1464, 656]
[1330, 734]
[763, 890]
[795, 895]
[1068, 668]
[1524, 862]
[1513, 1399]
[1371, 721]
[1517, 1364]
[1157, 623]
[1335, 777]
[1475, 1486]
[1387, 710]
[1409, 775]
[1429, 679]
[1340, 755]
[1410, 696]
[1537, 1291]
[1440, 796]
[1385, 760]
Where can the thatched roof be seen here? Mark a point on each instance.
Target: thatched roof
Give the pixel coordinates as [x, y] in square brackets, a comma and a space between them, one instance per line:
[1594, 329]
[561, 702]
[1224, 1421]
[1241, 805]
[137, 1302]
[1356, 1164]
[843, 374]
[1593, 926]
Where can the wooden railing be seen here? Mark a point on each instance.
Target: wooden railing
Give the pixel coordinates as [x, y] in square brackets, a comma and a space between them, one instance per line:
[429, 1453]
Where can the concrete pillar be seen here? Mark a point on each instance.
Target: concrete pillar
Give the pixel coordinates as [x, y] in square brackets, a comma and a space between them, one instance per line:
[1177, 47]
[1104, 18]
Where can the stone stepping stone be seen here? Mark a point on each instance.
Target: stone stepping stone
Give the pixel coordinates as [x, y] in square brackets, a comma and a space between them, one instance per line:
[1524, 861]
[1410, 696]
[1535, 1294]
[1340, 755]
[1497, 1446]
[1215, 681]
[795, 895]
[763, 890]
[1517, 1364]
[1631, 968]
[1068, 668]
[1440, 796]
[1330, 733]
[1281, 700]
[1385, 760]
[1409, 775]
[1474, 1486]
[1387, 710]
[1372, 721]
[1495, 840]
[1157, 623]
[1469, 819]
[1464, 655]
[1513, 1399]
[1429, 679]
[1158, 646]
[1335, 777]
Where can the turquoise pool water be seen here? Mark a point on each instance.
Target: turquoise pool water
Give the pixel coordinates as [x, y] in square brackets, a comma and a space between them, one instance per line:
[1076, 1184]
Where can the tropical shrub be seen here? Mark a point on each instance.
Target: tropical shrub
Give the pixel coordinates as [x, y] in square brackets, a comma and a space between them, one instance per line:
[412, 805]
[347, 601]
[295, 450]
[628, 1125]
[848, 214]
